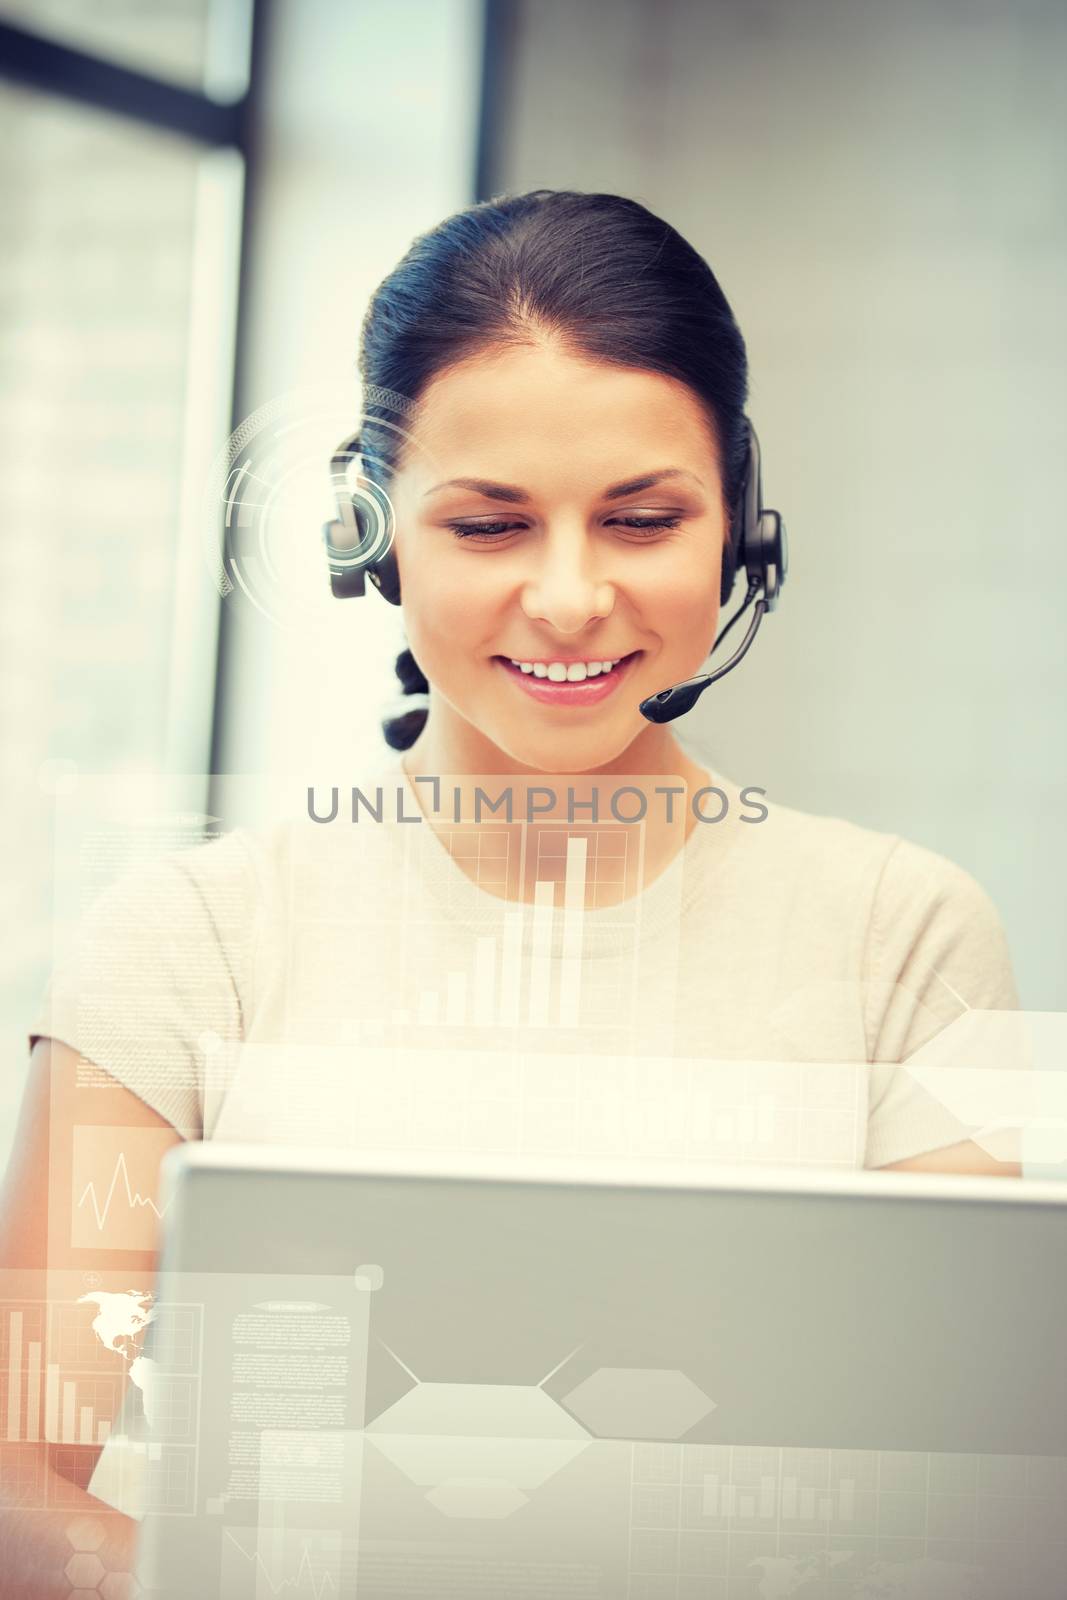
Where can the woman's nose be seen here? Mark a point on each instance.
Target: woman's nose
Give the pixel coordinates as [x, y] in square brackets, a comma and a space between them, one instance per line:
[567, 589]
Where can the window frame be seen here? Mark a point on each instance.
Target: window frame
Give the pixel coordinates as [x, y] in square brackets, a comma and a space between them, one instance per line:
[223, 131]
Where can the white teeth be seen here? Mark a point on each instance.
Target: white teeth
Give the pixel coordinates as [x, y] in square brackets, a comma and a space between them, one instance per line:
[564, 672]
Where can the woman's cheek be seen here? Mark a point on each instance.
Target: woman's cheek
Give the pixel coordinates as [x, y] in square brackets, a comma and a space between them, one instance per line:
[674, 600]
[447, 632]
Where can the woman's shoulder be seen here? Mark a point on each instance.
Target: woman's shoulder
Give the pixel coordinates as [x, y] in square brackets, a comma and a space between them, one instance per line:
[288, 864]
[787, 845]
[903, 887]
[220, 874]
[205, 893]
[837, 846]
[918, 898]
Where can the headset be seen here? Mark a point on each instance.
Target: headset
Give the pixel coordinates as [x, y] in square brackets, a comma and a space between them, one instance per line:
[360, 544]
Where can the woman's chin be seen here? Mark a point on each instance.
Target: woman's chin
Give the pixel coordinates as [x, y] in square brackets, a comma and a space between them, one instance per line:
[562, 752]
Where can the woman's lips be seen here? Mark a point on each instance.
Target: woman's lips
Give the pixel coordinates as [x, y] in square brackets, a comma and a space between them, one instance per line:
[587, 693]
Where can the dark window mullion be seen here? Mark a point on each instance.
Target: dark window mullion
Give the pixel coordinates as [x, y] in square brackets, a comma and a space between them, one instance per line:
[57, 69]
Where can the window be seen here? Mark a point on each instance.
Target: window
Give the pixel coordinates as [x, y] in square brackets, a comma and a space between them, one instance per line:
[117, 301]
[190, 42]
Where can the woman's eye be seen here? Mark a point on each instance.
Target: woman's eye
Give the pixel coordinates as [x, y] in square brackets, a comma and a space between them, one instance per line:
[649, 524]
[494, 530]
[474, 530]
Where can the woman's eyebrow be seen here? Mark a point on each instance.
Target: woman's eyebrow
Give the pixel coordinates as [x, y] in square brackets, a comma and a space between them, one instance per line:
[514, 496]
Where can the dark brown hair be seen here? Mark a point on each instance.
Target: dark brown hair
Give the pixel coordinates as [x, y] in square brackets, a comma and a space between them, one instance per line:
[599, 272]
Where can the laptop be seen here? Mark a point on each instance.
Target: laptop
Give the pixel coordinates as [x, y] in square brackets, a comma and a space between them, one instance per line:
[429, 1376]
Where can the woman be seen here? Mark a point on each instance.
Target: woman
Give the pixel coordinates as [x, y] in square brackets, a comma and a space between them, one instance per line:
[564, 491]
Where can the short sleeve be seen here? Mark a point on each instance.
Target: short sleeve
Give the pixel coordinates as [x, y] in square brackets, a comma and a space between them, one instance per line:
[935, 949]
[156, 975]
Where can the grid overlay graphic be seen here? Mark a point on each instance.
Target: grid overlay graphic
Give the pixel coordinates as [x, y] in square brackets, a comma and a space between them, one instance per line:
[737, 1522]
[63, 1385]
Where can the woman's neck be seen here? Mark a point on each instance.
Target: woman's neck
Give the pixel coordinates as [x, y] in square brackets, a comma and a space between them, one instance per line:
[659, 766]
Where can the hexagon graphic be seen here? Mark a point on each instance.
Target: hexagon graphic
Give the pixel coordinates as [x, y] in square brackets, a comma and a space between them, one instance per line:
[120, 1586]
[1000, 1074]
[84, 1571]
[85, 1533]
[638, 1403]
[478, 1448]
[487, 1498]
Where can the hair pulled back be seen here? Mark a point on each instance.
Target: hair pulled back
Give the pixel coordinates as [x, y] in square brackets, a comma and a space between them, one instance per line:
[597, 272]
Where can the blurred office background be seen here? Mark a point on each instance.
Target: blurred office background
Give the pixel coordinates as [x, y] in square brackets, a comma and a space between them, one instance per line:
[199, 197]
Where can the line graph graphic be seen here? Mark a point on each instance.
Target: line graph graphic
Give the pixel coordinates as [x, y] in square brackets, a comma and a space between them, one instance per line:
[259, 1563]
[102, 1211]
[115, 1180]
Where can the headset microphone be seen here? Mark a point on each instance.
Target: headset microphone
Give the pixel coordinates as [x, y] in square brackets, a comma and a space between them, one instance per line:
[762, 548]
[682, 697]
[360, 541]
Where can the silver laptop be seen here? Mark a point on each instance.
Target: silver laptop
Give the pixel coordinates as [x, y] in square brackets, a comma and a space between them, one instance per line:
[380, 1377]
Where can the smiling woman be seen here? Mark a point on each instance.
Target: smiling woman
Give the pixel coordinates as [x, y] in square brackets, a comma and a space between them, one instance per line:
[604, 407]
[589, 565]
[571, 358]
[686, 975]
[564, 497]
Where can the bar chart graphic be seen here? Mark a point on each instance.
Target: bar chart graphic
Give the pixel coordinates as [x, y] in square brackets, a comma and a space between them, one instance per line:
[781, 1520]
[797, 1502]
[67, 1372]
[531, 973]
[43, 1401]
[22, 1343]
[487, 929]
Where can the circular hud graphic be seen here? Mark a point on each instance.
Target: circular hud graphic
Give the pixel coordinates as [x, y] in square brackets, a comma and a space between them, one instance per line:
[279, 478]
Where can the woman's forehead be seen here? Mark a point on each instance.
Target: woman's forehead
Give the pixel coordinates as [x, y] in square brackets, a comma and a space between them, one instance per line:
[529, 409]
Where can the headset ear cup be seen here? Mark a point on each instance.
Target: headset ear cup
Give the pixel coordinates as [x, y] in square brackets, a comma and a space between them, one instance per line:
[774, 548]
[733, 549]
[745, 525]
[347, 576]
[729, 568]
[364, 525]
[385, 575]
[374, 512]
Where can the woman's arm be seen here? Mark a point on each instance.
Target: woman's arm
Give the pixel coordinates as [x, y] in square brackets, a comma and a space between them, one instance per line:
[940, 979]
[35, 1542]
[966, 1157]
